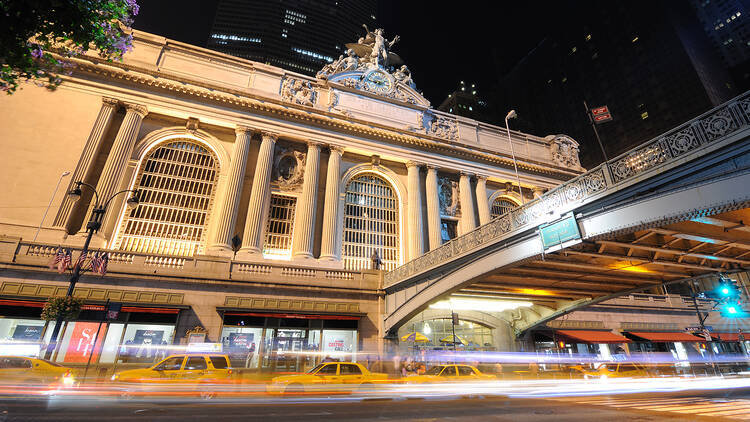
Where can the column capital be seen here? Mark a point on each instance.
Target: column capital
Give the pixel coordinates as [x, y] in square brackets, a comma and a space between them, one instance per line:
[314, 144]
[410, 164]
[139, 109]
[466, 173]
[482, 177]
[109, 101]
[432, 167]
[270, 136]
[336, 148]
[239, 129]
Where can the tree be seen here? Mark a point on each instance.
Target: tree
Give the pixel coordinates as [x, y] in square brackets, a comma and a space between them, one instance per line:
[38, 37]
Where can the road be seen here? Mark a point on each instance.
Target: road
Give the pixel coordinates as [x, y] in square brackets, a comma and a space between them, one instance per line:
[711, 405]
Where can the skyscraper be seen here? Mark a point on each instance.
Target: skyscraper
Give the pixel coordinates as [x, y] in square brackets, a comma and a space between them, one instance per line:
[294, 34]
[650, 62]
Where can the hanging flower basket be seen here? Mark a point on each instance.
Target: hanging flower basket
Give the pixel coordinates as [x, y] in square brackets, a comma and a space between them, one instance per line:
[67, 307]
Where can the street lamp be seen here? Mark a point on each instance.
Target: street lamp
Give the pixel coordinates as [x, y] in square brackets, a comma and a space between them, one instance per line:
[94, 224]
[512, 115]
[38, 229]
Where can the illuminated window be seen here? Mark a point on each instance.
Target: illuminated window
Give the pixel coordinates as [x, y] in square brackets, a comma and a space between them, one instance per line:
[501, 206]
[644, 115]
[371, 222]
[279, 228]
[176, 182]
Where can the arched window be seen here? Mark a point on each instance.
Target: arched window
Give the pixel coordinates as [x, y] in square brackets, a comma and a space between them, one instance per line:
[501, 206]
[371, 223]
[176, 182]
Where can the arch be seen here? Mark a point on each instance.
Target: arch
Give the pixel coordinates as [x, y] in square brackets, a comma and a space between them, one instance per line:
[390, 178]
[158, 136]
[503, 194]
[177, 177]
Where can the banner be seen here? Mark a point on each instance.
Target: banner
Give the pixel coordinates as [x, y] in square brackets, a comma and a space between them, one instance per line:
[81, 342]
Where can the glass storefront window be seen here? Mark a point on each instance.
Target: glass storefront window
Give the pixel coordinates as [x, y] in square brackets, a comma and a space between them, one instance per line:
[476, 336]
[21, 336]
[340, 344]
[241, 344]
[146, 343]
[77, 344]
[111, 343]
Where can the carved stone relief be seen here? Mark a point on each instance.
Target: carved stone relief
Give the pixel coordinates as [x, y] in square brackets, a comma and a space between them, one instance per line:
[297, 91]
[564, 151]
[288, 168]
[448, 194]
[431, 124]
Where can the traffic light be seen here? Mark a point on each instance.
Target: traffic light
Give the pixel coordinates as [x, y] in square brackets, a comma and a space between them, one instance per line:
[728, 289]
[733, 309]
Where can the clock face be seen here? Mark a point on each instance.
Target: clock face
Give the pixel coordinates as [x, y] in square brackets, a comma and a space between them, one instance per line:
[378, 81]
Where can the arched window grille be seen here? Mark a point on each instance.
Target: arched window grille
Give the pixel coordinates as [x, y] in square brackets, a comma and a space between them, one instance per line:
[176, 182]
[371, 222]
[501, 206]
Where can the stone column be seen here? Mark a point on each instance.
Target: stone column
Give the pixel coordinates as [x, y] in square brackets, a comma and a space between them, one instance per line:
[304, 217]
[433, 207]
[414, 223]
[260, 195]
[329, 249]
[483, 204]
[110, 180]
[227, 213]
[468, 220]
[90, 151]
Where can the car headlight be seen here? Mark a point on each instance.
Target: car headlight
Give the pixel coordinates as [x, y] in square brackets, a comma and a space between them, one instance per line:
[114, 377]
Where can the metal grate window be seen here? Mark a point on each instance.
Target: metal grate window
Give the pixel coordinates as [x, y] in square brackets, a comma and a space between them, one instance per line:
[501, 206]
[371, 222]
[176, 182]
[280, 226]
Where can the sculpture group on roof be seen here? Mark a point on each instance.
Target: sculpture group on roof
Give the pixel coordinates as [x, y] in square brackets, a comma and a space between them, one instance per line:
[370, 52]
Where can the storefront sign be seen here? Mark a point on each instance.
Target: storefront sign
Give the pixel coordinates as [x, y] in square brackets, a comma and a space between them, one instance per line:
[196, 338]
[81, 342]
[28, 332]
[698, 328]
[555, 234]
[204, 348]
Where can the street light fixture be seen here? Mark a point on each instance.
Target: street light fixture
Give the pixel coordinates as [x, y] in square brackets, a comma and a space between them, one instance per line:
[512, 115]
[38, 229]
[94, 224]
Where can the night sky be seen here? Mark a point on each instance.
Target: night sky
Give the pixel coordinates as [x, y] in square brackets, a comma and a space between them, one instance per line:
[441, 45]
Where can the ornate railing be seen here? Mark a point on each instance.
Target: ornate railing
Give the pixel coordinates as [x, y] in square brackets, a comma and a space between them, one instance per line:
[649, 157]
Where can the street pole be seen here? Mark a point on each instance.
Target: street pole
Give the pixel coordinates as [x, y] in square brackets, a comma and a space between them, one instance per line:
[701, 320]
[512, 114]
[596, 132]
[38, 229]
[92, 227]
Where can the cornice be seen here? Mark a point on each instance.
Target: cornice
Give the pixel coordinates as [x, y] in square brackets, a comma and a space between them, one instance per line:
[272, 107]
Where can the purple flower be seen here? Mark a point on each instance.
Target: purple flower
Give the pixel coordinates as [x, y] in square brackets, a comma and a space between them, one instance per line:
[133, 6]
[37, 53]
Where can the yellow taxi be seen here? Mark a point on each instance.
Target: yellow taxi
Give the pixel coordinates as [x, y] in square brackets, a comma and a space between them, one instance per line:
[617, 370]
[25, 370]
[182, 368]
[449, 373]
[327, 376]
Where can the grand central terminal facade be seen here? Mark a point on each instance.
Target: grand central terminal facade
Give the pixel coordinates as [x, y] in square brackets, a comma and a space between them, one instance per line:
[270, 203]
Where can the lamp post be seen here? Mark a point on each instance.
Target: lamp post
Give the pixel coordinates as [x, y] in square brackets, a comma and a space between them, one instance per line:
[94, 224]
[512, 115]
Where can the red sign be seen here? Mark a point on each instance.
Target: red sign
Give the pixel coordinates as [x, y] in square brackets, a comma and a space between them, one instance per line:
[599, 110]
[82, 342]
[601, 114]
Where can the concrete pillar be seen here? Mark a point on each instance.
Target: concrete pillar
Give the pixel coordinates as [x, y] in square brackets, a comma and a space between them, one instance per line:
[304, 217]
[329, 248]
[468, 220]
[114, 169]
[414, 223]
[482, 203]
[221, 240]
[433, 207]
[86, 162]
[260, 196]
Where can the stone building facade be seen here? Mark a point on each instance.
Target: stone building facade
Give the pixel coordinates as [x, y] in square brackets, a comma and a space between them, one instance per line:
[264, 196]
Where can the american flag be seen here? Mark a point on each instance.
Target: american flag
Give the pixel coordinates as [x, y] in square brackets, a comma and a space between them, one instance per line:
[59, 255]
[81, 260]
[65, 262]
[96, 262]
[103, 266]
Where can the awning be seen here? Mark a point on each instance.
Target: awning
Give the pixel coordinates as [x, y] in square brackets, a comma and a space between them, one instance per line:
[593, 337]
[729, 336]
[298, 316]
[667, 337]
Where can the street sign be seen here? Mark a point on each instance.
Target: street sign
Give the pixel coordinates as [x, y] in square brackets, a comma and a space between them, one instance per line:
[601, 114]
[561, 231]
[113, 310]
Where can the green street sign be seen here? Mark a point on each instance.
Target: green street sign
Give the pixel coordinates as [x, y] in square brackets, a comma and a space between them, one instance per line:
[560, 231]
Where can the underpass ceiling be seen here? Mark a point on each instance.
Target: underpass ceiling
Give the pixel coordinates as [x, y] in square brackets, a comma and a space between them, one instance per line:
[643, 258]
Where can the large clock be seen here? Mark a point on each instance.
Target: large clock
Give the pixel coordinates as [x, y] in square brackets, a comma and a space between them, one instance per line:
[378, 81]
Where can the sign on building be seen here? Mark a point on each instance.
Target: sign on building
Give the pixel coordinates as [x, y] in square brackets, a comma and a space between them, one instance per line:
[559, 234]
